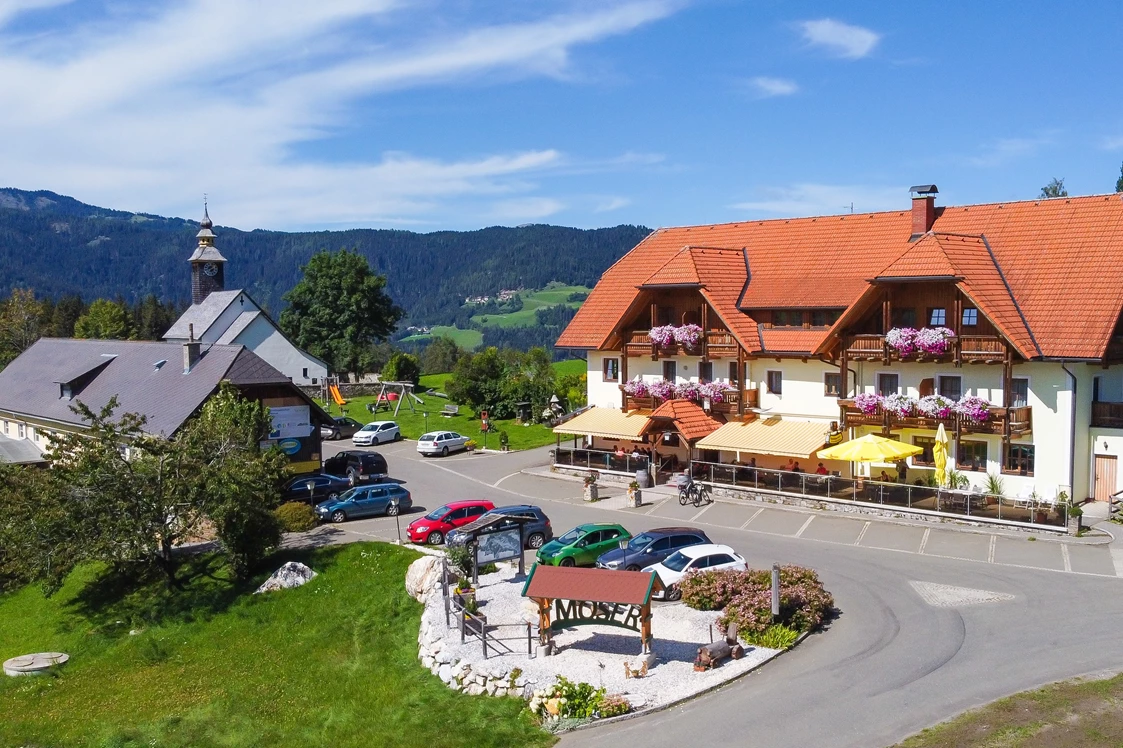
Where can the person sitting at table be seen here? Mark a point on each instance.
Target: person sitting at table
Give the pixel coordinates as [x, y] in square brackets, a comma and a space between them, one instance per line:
[790, 467]
[636, 453]
[619, 450]
[885, 477]
[796, 468]
[821, 470]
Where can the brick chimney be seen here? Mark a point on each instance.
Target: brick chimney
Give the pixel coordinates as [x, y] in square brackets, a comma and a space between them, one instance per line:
[191, 350]
[923, 209]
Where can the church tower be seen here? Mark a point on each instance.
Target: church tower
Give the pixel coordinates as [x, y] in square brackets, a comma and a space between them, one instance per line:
[208, 266]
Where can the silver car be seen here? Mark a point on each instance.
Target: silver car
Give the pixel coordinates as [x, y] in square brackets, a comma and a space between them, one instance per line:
[376, 433]
[440, 442]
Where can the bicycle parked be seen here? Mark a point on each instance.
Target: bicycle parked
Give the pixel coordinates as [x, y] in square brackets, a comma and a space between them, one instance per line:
[691, 492]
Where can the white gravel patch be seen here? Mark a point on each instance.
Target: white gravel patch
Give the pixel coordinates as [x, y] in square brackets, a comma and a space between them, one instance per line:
[593, 654]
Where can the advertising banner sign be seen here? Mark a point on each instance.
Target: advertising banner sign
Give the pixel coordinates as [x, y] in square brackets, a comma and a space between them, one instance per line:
[290, 421]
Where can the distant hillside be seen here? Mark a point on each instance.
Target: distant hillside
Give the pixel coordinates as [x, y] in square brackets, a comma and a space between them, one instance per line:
[56, 244]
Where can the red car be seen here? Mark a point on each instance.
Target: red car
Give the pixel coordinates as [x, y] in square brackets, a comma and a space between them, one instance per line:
[433, 527]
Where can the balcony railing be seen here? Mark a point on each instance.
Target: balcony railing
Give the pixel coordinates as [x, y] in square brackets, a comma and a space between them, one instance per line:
[731, 399]
[1012, 422]
[973, 504]
[638, 344]
[1107, 415]
[719, 344]
[970, 348]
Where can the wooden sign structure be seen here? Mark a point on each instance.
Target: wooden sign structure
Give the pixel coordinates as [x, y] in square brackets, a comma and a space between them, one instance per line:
[581, 597]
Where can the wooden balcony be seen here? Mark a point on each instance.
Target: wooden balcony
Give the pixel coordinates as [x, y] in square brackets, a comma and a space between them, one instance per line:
[720, 344]
[730, 404]
[973, 349]
[638, 344]
[1107, 415]
[1012, 422]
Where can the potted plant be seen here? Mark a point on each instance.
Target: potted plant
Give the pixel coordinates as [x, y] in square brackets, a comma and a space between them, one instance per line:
[995, 488]
[465, 593]
[504, 440]
[471, 445]
[474, 621]
[591, 491]
[635, 496]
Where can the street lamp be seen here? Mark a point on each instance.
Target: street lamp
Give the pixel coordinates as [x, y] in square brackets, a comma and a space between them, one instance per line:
[624, 547]
[397, 524]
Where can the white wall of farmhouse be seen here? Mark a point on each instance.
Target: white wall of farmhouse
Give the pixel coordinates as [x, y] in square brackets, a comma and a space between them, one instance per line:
[269, 343]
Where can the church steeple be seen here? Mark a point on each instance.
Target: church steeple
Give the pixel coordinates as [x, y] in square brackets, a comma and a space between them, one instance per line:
[208, 269]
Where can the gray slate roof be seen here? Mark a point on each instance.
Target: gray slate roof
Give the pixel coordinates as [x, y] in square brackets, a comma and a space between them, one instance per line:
[19, 451]
[207, 254]
[165, 396]
[202, 315]
[240, 323]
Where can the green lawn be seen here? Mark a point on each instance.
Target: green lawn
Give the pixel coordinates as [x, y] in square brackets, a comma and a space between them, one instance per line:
[1072, 714]
[532, 300]
[572, 366]
[332, 663]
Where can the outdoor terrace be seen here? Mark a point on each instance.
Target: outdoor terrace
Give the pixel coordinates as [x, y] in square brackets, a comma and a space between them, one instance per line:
[973, 504]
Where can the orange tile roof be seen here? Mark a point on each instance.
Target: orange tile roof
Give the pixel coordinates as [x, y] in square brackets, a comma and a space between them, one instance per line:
[677, 271]
[1060, 258]
[689, 418]
[788, 340]
[926, 258]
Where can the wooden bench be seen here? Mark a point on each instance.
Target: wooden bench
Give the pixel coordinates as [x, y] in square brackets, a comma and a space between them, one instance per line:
[450, 410]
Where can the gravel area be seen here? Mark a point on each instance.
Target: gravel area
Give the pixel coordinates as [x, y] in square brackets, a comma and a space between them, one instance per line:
[593, 654]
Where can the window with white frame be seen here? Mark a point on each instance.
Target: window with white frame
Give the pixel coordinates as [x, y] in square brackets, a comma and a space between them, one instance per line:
[22, 431]
[938, 317]
[970, 316]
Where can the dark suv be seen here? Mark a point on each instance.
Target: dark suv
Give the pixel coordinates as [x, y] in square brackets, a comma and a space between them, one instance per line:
[651, 547]
[357, 467]
[538, 531]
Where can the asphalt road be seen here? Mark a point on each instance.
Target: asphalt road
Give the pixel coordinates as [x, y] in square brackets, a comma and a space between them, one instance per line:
[892, 662]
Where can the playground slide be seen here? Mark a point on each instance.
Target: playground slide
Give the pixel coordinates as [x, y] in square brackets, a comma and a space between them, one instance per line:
[338, 398]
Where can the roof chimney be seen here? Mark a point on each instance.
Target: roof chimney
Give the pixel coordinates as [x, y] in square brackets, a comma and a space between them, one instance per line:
[191, 355]
[923, 209]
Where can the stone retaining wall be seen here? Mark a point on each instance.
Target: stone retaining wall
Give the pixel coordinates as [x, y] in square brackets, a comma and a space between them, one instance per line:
[473, 679]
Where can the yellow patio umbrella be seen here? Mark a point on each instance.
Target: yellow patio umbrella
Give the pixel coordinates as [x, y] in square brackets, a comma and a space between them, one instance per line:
[940, 456]
[870, 448]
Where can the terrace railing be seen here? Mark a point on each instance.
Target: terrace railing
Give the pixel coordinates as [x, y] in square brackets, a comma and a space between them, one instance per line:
[1107, 415]
[972, 504]
[1003, 421]
[598, 459]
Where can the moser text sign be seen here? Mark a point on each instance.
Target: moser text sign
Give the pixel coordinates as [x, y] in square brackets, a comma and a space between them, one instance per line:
[581, 612]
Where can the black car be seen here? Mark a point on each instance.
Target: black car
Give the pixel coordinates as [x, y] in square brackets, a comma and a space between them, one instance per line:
[344, 428]
[324, 487]
[651, 547]
[357, 467]
[538, 530]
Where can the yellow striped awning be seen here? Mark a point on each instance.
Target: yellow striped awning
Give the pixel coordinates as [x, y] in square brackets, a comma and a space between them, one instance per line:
[608, 423]
[771, 436]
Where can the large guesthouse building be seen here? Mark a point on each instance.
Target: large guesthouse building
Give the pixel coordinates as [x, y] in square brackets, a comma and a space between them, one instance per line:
[743, 348]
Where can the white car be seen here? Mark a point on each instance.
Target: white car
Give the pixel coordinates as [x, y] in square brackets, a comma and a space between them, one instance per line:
[440, 442]
[376, 433]
[703, 557]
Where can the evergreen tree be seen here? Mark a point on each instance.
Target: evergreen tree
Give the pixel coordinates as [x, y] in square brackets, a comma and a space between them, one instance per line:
[1119, 182]
[66, 313]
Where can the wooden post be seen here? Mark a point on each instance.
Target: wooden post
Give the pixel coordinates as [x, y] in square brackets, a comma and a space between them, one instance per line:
[844, 368]
[705, 334]
[742, 384]
[957, 311]
[654, 322]
[645, 627]
[886, 323]
[623, 375]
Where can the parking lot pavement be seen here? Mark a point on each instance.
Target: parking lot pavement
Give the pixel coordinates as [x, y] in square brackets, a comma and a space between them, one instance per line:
[893, 537]
[834, 530]
[954, 544]
[1022, 552]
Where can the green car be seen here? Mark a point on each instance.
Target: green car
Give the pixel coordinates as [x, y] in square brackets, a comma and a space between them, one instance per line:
[582, 545]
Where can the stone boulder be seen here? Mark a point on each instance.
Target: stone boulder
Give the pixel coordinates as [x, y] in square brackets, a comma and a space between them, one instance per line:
[423, 578]
[290, 575]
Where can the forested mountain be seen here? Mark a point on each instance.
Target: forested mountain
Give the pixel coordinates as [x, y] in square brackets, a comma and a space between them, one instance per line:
[57, 245]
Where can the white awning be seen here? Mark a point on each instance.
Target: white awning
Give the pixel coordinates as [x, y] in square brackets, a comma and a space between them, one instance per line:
[771, 436]
[608, 423]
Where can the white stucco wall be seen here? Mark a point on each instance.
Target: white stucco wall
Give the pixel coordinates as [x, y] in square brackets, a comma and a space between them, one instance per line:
[241, 303]
[266, 341]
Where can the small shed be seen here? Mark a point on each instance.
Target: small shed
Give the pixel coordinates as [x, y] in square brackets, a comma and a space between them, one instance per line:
[522, 413]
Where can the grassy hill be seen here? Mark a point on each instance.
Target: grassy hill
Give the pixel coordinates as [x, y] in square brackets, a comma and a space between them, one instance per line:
[331, 663]
[532, 301]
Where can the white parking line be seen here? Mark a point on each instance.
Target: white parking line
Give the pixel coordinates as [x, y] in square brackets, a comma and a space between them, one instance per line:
[924, 540]
[699, 514]
[990, 551]
[661, 503]
[1065, 557]
[505, 477]
[1117, 560]
[750, 519]
[805, 524]
[862, 534]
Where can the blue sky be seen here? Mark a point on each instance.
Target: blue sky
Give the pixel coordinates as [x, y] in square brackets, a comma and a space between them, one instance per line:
[434, 115]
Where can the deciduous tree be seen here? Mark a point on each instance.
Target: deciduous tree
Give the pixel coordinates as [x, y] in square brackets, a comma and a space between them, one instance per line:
[440, 356]
[104, 320]
[1055, 188]
[19, 323]
[402, 367]
[338, 309]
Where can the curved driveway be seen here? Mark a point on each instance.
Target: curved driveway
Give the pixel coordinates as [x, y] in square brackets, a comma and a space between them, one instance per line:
[888, 666]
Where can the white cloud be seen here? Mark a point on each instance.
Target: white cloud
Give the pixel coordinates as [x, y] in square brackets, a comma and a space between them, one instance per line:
[840, 39]
[768, 87]
[9, 9]
[824, 199]
[1005, 150]
[526, 208]
[149, 111]
[609, 204]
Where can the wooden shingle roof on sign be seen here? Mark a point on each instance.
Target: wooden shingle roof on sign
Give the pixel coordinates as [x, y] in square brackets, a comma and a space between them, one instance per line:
[1027, 264]
[595, 585]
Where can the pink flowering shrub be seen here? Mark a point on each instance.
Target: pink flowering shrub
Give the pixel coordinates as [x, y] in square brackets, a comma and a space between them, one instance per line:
[973, 408]
[745, 597]
[636, 388]
[899, 405]
[688, 335]
[661, 389]
[935, 406]
[902, 340]
[934, 340]
[663, 335]
[867, 402]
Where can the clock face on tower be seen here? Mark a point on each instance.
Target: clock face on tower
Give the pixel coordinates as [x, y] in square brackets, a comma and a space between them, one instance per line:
[211, 269]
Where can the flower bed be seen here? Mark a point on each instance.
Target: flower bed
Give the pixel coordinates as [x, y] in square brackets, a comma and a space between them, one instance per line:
[932, 341]
[973, 408]
[933, 406]
[663, 390]
[745, 598]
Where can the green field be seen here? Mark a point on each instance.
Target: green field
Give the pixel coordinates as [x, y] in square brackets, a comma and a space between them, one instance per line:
[466, 339]
[532, 300]
[332, 663]
[572, 366]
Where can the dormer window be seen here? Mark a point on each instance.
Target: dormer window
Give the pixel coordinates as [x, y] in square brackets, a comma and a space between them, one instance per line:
[787, 318]
[65, 391]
